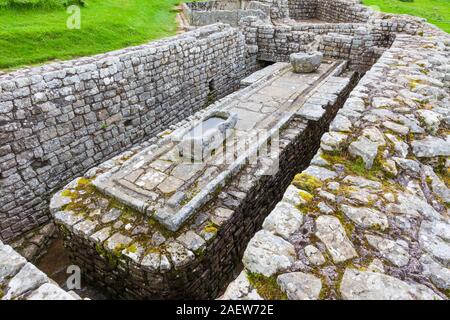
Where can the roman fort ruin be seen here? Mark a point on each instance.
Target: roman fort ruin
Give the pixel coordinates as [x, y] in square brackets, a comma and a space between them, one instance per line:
[302, 145]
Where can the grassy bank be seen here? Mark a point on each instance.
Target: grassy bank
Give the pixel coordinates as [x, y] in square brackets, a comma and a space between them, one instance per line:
[436, 12]
[31, 35]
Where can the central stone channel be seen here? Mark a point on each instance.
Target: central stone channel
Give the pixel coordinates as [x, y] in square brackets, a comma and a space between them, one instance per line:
[162, 222]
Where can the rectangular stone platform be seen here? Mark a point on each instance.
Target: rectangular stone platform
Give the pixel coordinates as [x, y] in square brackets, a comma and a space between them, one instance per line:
[147, 224]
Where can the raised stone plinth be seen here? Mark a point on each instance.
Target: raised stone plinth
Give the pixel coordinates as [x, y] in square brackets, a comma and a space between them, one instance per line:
[152, 224]
[21, 280]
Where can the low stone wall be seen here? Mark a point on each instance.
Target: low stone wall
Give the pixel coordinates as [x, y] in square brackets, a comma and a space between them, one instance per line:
[328, 11]
[58, 120]
[302, 9]
[276, 43]
[362, 50]
[369, 218]
[21, 280]
[206, 15]
[334, 11]
[216, 5]
[34, 244]
[359, 43]
[342, 11]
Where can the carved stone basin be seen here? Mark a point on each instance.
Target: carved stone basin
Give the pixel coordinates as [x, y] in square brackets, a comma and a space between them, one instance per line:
[197, 143]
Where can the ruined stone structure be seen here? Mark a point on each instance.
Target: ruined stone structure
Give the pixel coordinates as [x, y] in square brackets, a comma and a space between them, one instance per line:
[61, 119]
[145, 249]
[366, 217]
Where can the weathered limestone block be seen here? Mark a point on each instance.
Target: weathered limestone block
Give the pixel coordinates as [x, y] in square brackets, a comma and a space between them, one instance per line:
[431, 147]
[10, 262]
[364, 285]
[395, 251]
[438, 274]
[366, 217]
[300, 286]
[241, 289]
[364, 148]
[192, 241]
[179, 254]
[267, 254]
[332, 234]
[284, 220]
[314, 255]
[305, 62]
[333, 141]
[50, 291]
[434, 237]
[28, 278]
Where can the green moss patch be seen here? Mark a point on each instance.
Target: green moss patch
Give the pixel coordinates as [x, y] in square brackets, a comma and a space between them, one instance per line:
[307, 182]
[210, 228]
[356, 166]
[267, 287]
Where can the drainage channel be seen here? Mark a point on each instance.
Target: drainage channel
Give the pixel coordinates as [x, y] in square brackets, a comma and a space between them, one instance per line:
[128, 250]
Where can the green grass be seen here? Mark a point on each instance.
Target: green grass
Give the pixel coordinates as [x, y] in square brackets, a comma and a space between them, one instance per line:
[436, 12]
[32, 35]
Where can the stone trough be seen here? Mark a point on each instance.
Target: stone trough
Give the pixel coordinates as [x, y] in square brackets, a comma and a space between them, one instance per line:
[198, 142]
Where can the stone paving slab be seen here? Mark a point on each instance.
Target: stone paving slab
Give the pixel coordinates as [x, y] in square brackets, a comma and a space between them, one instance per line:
[147, 186]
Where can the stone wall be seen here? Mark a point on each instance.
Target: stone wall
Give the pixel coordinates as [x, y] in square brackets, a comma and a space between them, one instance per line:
[360, 43]
[276, 43]
[58, 120]
[368, 42]
[206, 15]
[342, 11]
[362, 50]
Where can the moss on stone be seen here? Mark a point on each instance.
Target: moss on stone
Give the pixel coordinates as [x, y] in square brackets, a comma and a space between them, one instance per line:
[306, 196]
[307, 182]
[356, 166]
[210, 228]
[117, 251]
[64, 230]
[325, 292]
[155, 225]
[110, 257]
[348, 226]
[447, 293]
[69, 194]
[132, 248]
[267, 287]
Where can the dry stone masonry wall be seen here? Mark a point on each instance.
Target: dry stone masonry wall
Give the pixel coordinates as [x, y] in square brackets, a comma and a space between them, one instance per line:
[59, 120]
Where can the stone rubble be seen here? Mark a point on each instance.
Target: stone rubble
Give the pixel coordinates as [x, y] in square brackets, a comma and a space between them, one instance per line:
[21, 280]
[377, 225]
